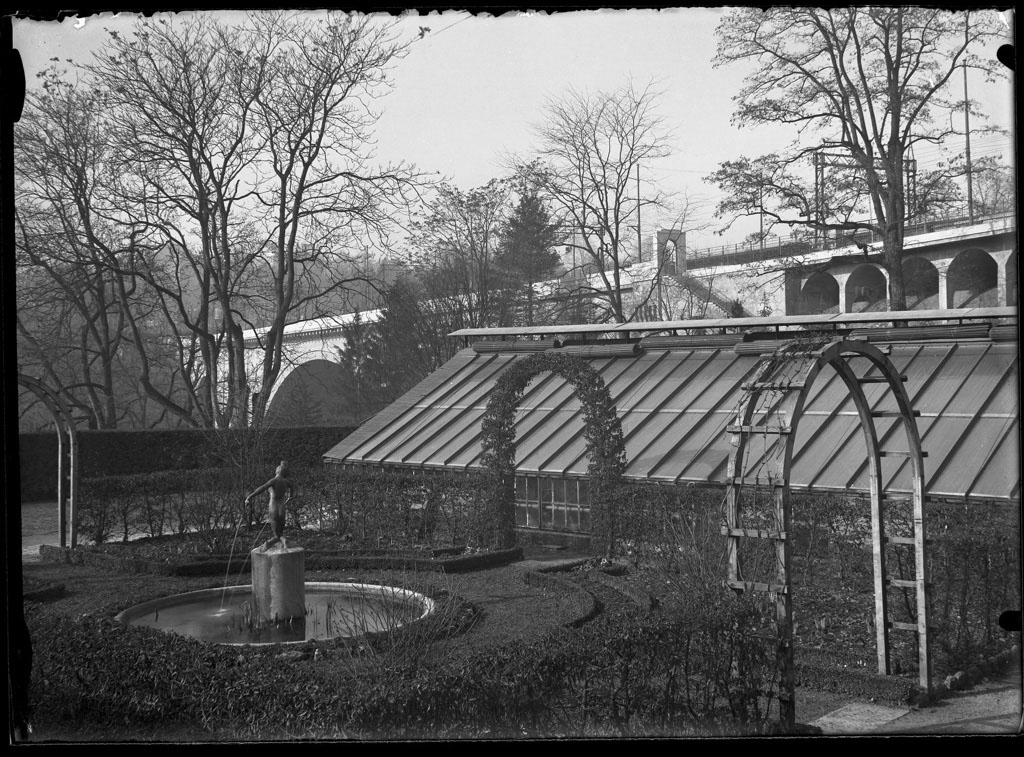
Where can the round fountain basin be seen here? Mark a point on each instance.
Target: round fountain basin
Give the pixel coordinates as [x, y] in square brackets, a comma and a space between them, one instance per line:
[333, 610]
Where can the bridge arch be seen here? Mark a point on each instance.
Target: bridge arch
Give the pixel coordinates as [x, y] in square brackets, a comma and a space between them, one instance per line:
[67, 457]
[310, 394]
[972, 280]
[819, 294]
[866, 289]
[606, 447]
[921, 283]
[770, 412]
[671, 259]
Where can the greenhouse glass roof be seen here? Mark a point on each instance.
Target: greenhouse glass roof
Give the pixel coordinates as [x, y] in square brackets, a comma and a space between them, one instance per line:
[675, 401]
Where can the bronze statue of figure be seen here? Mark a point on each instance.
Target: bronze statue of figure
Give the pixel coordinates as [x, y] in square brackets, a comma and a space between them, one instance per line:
[278, 486]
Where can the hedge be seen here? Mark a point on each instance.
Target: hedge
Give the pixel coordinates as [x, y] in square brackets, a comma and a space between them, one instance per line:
[376, 508]
[632, 674]
[218, 565]
[118, 453]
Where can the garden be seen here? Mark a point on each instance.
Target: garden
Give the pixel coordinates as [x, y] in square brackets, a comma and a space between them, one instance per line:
[637, 638]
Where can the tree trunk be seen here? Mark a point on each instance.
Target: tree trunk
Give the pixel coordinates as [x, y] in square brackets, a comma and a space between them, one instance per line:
[892, 251]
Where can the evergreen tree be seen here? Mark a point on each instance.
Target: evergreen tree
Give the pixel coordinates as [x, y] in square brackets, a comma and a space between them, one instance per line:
[358, 360]
[383, 360]
[527, 253]
[407, 353]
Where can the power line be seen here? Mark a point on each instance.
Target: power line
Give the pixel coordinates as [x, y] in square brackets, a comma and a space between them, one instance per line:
[454, 23]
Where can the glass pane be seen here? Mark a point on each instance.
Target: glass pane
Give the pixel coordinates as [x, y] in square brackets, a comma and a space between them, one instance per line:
[521, 488]
[571, 491]
[531, 488]
[520, 514]
[560, 490]
[584, 519]
[546, 515]
[546, 489]
[572, 520]
[559, 516]
[532, 519]
[584, 491]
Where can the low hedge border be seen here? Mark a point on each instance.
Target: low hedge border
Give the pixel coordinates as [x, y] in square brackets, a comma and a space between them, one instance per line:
[821, 674]
[212, 565]
[43, 592]
[640, 598]
[562, 567]
[965, 679]
[583, 604]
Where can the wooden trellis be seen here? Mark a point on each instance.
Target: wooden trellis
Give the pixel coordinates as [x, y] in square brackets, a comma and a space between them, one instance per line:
[770, 410]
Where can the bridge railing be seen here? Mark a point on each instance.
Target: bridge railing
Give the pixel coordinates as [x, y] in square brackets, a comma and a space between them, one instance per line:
[776, 247]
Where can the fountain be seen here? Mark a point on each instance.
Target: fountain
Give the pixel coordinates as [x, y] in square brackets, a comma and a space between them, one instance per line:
[278, 584]
[279, 607]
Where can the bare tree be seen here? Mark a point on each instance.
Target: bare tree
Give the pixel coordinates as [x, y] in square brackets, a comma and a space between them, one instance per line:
[325, 195]
[863, 85]
[238, 186]
[72, 312]
[454, 248]
[994, 186]
[590, 148]
[180, 112]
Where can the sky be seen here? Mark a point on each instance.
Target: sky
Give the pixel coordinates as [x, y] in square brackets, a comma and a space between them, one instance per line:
[470, 89]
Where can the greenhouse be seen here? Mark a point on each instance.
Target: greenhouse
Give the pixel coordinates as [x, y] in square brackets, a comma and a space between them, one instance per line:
[677, 386]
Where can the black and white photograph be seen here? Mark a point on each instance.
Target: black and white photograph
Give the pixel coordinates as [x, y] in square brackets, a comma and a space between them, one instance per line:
[554, 374]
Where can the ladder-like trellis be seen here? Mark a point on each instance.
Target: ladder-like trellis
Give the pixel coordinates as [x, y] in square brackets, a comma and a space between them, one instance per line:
[67, 457]
[769, 411]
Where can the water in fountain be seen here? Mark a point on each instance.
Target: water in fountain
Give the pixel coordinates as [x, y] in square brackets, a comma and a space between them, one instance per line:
[331, 610]
[279, 606]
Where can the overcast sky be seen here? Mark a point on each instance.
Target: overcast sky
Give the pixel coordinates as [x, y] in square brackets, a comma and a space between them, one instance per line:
[469, 90]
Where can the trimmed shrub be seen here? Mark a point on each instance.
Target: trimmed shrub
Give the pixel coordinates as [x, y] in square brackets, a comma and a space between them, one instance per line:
[390, 509]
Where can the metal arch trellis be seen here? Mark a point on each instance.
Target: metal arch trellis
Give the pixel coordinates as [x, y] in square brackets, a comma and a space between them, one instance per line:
[770, 409]
[67, 457]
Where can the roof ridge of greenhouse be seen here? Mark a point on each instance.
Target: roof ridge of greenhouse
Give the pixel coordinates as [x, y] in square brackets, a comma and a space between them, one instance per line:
[827, 320]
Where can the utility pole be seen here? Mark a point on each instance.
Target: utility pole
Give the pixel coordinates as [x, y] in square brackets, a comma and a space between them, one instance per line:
[967, 133]
[760, 206]
[639, 239]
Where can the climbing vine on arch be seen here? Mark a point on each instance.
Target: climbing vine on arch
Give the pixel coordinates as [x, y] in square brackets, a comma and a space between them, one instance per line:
[606, 447]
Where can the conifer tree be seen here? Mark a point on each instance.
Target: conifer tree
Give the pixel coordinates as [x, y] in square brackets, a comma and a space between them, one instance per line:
[527, 253]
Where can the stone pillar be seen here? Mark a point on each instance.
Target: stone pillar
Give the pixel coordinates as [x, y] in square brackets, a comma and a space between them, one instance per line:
[1004, 259]
[842, 279]
[279, 584]
[945, 301]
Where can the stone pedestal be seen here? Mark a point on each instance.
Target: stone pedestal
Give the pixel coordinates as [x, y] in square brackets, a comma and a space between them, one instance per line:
[279, 584]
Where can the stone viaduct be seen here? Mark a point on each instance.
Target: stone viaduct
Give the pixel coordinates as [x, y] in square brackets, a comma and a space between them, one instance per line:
[948, 264]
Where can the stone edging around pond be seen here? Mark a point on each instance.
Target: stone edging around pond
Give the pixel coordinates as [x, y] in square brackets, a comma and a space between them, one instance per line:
[314, 561]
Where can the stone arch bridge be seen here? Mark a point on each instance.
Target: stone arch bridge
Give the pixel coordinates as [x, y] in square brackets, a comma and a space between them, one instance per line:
[966, 267]
[959, 266]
